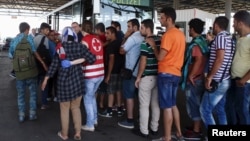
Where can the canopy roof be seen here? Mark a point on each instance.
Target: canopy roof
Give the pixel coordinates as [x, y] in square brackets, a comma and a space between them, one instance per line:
[45, 6]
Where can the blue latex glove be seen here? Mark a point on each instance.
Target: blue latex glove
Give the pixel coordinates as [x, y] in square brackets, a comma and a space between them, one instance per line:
[65, 63]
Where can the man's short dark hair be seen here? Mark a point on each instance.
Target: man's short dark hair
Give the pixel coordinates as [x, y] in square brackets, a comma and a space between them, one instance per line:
[44, 25]
[100, 26]
[87, 26]
[222, 22]
[148, 23]
[170, 12]
[116, 24]
[134, 22]
[112, 30]
[23, 27]
[75, 23]
[242, 16]
[197, 25]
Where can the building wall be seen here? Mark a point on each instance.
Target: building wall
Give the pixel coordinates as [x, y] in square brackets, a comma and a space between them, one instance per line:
[188, 14]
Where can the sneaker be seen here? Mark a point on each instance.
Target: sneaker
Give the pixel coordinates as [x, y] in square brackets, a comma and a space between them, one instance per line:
[86, 128]
[126, 124]
[191, 135]
[139, 133]
[154, 133]
[55, 99]
[123, 108]
[12, 74]
[49, 99]
[21, 118]
[114, 108]
[106, 114]
[159, 139]
[120, 113]
[43, 107]
[176, 138]
[96, 124]
[33, 117]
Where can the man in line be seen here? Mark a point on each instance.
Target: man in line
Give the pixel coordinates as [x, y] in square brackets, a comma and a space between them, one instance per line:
[193, 76]
[42, 45]
[220, 60]
[146, 82]
[131, 49]
[170, 60]
[238, 98]
[113, 64]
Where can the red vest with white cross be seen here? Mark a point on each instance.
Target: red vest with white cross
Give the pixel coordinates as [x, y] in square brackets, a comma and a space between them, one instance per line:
[96, 48]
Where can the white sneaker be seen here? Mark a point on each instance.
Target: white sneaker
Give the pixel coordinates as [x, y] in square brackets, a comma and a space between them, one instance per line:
[86, 128]
[96, 123]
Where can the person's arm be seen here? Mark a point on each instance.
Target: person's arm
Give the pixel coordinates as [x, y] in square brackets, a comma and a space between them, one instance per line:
[241, 82]
[125, 42]
[216, 66]
[122, 51]
[198, 59]
[38, 57]
[158, 54]
[44, 83]
[142, 66]
[88, 56]
[110, 67]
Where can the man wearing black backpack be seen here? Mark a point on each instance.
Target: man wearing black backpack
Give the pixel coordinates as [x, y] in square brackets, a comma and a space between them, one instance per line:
[42, 46]
[23, 52]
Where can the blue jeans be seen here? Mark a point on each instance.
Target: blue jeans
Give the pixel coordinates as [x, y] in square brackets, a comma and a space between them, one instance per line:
[91, 86]
[46, 90]
[193, 98]
[21, 89]
[167, 89]
[128, 88]
[215, 102]
[237, 104]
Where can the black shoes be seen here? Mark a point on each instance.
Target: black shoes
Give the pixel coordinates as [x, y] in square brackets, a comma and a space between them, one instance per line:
[139, 133]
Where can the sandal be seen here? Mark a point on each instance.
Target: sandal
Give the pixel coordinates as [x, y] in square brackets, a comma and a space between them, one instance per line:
[61, 136]
[77, 137]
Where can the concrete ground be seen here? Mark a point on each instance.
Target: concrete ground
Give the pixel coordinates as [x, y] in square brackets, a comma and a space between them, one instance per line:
[47, 125]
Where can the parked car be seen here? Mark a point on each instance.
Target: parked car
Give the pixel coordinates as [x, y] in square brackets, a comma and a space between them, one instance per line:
[6, 45]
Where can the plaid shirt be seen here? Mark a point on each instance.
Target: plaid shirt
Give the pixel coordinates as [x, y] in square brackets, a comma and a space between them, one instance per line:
[70, 81]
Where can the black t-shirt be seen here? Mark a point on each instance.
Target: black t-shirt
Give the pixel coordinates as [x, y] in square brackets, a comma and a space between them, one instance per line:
[113, 48]
[79, 36]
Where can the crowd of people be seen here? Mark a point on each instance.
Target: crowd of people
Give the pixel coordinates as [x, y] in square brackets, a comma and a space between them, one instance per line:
[90, 62]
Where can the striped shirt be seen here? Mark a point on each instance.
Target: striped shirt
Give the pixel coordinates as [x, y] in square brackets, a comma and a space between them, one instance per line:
[223, 41]
[152, 64]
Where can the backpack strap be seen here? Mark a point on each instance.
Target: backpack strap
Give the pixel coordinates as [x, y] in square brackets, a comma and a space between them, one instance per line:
[42, 41]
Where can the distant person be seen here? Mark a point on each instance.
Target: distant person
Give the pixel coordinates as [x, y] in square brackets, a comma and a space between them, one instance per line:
[100, 32]
[68, 63]
[117, 25]
[77, 29]
[33, 32]
[26, 70]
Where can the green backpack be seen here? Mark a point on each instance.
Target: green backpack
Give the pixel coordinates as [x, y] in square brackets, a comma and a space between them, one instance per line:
[24, 63]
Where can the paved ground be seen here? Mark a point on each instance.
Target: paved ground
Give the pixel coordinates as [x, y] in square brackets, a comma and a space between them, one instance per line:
[48, 122]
